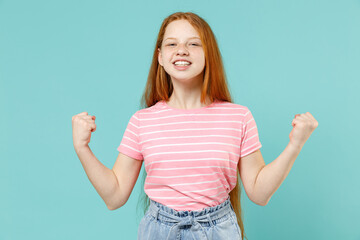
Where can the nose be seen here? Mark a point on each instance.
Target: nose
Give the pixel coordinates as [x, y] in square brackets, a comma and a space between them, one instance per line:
[182, 50]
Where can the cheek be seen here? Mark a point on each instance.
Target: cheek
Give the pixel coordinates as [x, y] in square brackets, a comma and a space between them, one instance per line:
[166, 58]
[203, 59]
[201, 55]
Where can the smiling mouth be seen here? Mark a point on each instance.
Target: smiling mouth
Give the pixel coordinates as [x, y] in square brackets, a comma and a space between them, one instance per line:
[182, 63]
[181, 67]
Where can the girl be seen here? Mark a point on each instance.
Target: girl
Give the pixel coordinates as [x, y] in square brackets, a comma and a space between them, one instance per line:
[195, 143]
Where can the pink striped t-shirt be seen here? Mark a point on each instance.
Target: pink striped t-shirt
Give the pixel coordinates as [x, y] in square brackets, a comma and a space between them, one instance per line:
[191, 155]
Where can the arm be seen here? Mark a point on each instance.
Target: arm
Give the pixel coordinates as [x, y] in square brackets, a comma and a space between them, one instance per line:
[266, 179]
[102, 178]
[260, 180]
[113, 185]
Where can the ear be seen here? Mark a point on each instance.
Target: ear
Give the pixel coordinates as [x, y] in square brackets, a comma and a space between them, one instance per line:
[160, 57]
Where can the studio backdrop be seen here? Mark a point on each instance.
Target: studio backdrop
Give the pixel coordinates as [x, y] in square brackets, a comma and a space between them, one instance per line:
[61, 58]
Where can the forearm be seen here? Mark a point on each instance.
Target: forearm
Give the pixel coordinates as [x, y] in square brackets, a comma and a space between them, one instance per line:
[273, 174]
[102, 178]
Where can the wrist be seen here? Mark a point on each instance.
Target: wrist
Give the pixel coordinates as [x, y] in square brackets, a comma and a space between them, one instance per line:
[295, 146]
[80, 147]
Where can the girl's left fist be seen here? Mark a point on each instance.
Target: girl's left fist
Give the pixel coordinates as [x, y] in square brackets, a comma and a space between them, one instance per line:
[303, 125]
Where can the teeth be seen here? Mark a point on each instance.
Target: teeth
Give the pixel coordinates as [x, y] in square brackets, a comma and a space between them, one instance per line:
[182, 63]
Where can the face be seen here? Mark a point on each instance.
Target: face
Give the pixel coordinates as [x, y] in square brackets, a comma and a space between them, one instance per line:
[182, 41]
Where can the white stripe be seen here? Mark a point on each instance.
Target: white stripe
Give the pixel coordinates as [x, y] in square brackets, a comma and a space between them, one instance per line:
[131, 139]
[246, 153]
[180, 184]
[131, 132]
[250, 138]
[133, 125]
[195, 175]
[190, 129]
[249, 147]
[135, 117]
[166, 169]
[201, 136]
[191, 114]
[130, 147]
[248, 130]
[247, 123]
[187, 196]
[202, 151]
[184, 122]
[184, 144]
[184, 191]
[191, 160]
[198, 114]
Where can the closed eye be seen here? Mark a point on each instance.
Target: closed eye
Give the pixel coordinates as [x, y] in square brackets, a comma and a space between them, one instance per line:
[194, 44]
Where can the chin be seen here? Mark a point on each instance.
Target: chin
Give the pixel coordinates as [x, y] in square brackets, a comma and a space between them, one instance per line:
[184, 76]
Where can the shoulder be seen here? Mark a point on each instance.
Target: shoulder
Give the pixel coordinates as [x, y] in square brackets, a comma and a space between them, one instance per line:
[238, 112]
[232, 107]
[149, 111]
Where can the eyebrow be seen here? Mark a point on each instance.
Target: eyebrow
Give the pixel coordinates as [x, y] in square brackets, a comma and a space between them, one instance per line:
[175, 38]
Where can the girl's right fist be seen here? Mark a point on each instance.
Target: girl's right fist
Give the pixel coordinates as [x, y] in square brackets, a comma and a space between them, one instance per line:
[82, 125]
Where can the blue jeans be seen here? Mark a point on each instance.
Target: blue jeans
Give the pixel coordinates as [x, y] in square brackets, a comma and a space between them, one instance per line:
[212, 223]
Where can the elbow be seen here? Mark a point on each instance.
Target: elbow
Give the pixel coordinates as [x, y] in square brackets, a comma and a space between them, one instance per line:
[262, 202]
[112, 208]
[114, 204]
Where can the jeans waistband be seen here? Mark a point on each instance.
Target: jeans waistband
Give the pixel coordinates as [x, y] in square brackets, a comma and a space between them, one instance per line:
[193, 218]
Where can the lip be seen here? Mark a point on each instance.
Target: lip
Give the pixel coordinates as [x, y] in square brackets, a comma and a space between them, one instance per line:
[181, 60]
[181, 67]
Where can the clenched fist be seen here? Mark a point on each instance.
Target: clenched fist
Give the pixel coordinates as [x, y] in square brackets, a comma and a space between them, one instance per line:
[82, 125]
[303, 126]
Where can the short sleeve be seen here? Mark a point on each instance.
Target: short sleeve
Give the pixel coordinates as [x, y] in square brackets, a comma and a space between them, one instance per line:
[130, 143]
[250, 141]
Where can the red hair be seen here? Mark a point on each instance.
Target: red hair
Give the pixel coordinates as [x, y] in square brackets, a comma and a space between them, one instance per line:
[159, 86]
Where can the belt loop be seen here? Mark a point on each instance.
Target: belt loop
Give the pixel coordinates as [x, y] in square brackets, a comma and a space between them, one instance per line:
[232, 207]
[157, 213]
[210, 220]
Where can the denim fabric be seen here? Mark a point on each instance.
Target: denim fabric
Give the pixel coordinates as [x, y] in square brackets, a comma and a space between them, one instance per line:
[212, 223]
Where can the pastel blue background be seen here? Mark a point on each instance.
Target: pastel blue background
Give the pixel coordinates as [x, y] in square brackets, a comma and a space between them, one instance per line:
[60, 58]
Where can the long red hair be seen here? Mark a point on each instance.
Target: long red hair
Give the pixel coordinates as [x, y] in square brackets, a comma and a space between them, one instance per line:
[159, 87]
